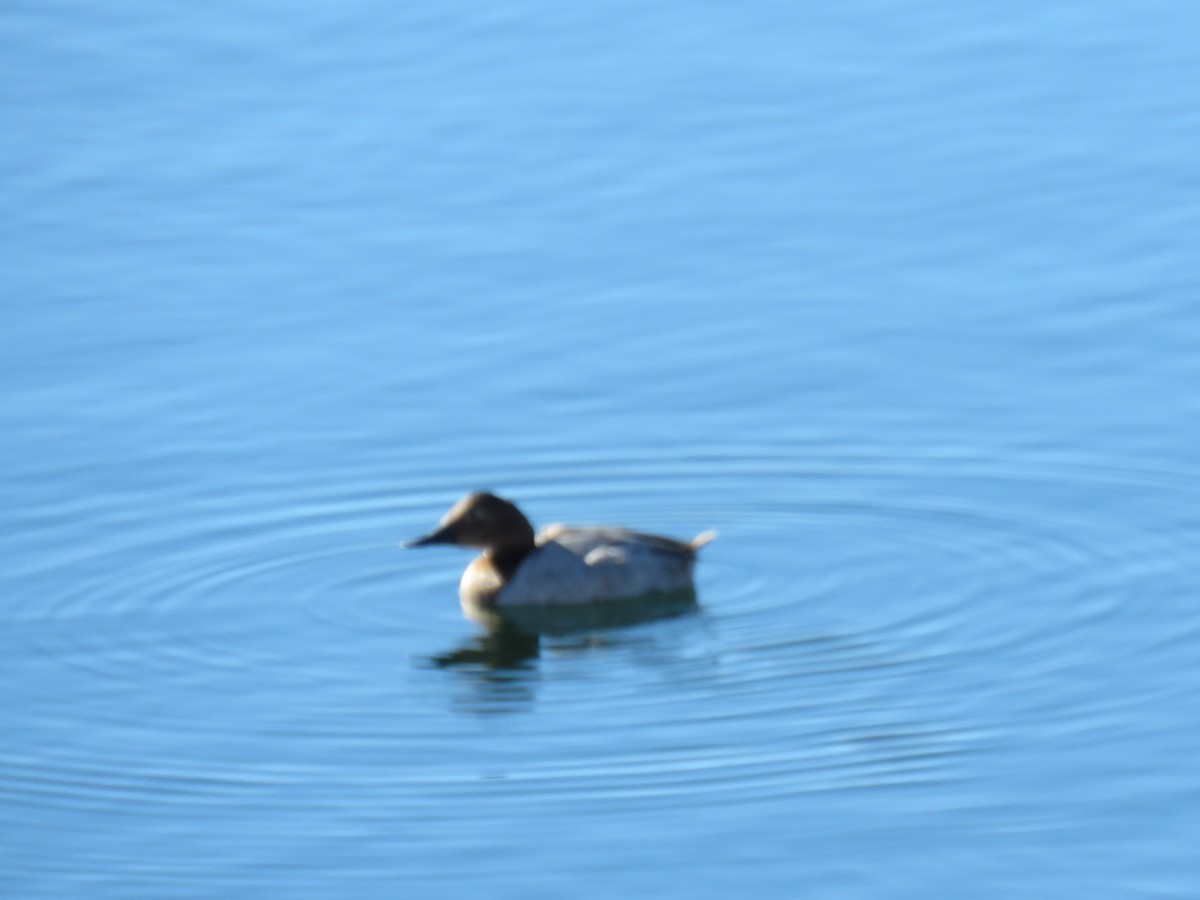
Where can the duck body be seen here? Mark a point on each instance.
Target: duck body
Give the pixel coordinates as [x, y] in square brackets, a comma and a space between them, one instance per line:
[589, 564]
[560, 565]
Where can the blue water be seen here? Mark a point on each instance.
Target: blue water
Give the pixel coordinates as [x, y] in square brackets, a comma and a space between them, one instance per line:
[899, 297]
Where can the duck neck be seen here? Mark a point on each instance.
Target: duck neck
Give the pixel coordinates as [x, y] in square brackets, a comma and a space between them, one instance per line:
[506, 559]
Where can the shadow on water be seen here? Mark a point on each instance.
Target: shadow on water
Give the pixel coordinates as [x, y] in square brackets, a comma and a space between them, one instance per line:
[513, 637]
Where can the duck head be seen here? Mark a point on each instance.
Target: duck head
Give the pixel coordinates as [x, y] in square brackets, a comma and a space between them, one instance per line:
[483, 521]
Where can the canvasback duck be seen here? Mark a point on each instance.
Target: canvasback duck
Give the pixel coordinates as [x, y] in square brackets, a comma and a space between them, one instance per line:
[559, 564]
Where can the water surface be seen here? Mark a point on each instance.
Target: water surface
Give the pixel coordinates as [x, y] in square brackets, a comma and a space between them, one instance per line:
[900, 298]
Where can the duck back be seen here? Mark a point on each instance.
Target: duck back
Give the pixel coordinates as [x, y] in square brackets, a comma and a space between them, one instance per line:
[593, 564]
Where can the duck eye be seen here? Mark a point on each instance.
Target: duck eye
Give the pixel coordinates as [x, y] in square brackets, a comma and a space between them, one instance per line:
[477, 514]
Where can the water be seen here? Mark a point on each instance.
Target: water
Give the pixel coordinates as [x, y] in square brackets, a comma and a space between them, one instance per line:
[900, 298]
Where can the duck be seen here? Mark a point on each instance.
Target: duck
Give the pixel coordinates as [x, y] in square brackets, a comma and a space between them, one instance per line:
[561, 564]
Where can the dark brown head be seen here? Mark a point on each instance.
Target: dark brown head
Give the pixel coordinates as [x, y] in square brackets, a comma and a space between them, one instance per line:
[483, 521]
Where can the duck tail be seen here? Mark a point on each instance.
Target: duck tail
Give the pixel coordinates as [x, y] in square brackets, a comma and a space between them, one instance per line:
[703, 538]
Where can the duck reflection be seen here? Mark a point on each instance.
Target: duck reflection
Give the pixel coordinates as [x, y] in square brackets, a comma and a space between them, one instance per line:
[498, 649]
[512, 637]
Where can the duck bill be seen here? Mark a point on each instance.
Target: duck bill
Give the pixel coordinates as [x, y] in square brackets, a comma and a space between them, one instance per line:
[444, 535]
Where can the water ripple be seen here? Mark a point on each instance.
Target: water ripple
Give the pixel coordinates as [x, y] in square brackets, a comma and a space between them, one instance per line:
[844, 590]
